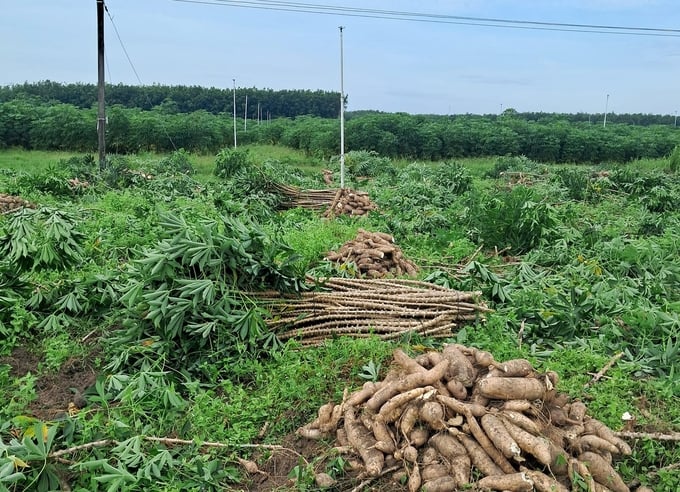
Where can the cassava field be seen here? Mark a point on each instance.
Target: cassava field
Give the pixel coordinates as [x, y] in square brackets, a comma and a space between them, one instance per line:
[233, 322]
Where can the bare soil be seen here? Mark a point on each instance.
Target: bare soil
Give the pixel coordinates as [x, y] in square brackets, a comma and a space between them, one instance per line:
[55, 390]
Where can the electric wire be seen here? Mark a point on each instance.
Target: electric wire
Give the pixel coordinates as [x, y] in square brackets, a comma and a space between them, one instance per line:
[139, 80]
[440, 18]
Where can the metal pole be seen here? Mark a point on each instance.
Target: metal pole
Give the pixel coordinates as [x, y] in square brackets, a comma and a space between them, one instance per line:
[675, 122]
[342, 115]
[234, 80]
[101, 110]
[606, 104]
[245, 116]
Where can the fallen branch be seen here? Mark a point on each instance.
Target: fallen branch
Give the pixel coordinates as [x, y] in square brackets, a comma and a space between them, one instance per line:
[656, 436]
[603, 371]
[81, 447]
[169, 441]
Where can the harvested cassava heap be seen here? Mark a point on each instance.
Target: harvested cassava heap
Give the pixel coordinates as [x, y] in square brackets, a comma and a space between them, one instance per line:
[443, 418]
[9, 203]
[350, 202]
[386, 308]
[375, 255]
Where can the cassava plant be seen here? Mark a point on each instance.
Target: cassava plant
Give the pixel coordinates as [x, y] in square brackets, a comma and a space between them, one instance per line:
[41, 238]
[188, 299]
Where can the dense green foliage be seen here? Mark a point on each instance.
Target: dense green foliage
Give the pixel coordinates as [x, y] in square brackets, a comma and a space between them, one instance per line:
[184, 99]
[147, 274]
[34, 124]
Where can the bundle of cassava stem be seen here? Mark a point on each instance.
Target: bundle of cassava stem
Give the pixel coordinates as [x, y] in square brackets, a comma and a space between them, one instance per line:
[387, 308]
[11, 203]
[294, 197]
[457, 420]
[375, 256]
[333, 201]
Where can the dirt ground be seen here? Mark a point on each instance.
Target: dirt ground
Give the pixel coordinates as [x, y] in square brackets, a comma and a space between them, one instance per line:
[54, 390]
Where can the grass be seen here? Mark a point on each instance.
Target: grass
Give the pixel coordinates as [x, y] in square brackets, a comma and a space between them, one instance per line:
[31, 160]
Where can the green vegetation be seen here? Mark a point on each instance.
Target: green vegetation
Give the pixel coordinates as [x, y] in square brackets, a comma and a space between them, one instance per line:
[37, 122]
[132, 294]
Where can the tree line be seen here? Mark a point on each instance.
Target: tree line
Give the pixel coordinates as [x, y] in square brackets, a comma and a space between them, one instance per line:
[31, 123]
[184, 99]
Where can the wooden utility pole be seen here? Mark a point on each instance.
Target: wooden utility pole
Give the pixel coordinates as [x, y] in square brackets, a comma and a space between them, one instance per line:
[101, 113]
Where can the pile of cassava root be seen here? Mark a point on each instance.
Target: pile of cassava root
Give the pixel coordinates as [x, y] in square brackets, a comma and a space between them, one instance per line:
[459, 420]
[10, 203]
[350, 202]
[375, 256]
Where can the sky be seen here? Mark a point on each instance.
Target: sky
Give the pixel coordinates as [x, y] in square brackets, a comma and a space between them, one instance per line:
[388, 65]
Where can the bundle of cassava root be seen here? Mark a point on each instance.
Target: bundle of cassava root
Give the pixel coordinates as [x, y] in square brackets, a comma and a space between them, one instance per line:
[386, 308]
[458, 419]
[10, 203]
[375, 255]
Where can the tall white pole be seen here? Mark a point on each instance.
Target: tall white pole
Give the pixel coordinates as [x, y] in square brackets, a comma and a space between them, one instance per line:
[606, 104]
[234, 80]
[259, 113]
[342, 115]
[245, 116]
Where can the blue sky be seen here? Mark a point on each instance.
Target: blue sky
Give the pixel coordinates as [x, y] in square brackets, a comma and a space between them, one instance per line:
[389, 65]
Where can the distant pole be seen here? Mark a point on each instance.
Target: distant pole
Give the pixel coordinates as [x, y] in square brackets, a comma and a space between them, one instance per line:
[675, 122]
[259, 114]
[606, 105]
[101, 112]
[245, 116]
[234, 80]
[342, 114]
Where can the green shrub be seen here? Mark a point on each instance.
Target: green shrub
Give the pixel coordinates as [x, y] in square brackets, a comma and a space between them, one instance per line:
[674, 160]
[519, 219]
[229, 161]
[515, 164]
[177, 162]
[452, 178]
[368, 164]
[34, 239]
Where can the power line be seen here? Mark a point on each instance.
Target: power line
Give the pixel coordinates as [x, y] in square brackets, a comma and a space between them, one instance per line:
[439, 18]
[122, 45]
[132, 65]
